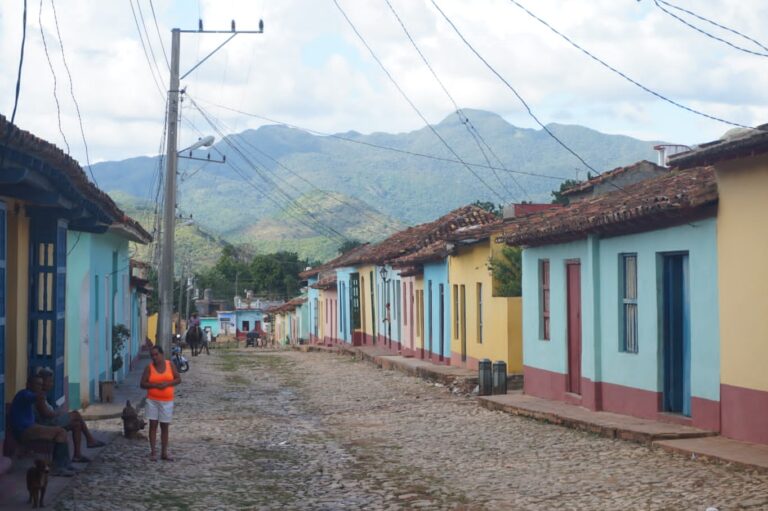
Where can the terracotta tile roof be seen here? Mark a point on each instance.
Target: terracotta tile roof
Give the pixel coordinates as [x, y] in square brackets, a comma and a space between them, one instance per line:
[670, 199]
[736, 143]
[326, 282]
[25, 144]
[607, 176]
[337, 262]
[415, 238]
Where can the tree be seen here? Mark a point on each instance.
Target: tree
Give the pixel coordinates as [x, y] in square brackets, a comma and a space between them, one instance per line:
[496, 209]
[557, 195]
[507, 272]
[348, 245]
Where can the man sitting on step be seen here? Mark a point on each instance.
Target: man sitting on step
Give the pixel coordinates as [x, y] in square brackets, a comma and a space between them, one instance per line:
[24, 429]
[47, 415]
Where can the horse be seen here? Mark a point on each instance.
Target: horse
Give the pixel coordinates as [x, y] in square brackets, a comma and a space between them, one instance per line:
[194, 338]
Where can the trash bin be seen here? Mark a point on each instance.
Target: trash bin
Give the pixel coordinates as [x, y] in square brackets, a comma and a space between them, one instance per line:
[500, 377]
[485, 379]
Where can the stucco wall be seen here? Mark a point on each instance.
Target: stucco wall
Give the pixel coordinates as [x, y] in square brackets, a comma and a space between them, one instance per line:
[502, 332]
[17, 299]
[600, 294]
[437, 273]
[743, 251]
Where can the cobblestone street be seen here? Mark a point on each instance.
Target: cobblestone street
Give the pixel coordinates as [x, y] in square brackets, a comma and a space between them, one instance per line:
[290, 430]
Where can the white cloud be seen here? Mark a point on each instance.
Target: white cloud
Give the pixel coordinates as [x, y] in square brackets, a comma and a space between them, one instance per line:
[309, 68]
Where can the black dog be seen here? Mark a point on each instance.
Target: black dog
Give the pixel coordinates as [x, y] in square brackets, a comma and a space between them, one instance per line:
[37, 481]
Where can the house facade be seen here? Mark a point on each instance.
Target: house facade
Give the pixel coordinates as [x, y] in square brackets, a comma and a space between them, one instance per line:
[740, 160]
[45, 199]
[620, 307]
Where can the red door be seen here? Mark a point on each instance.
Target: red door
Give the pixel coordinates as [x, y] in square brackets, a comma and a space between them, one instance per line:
[573, 271]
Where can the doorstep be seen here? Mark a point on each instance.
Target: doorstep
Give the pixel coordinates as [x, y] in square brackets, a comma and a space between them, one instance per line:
[721, 450]
[607, 424]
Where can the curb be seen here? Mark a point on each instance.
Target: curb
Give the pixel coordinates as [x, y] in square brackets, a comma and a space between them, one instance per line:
[110, 415]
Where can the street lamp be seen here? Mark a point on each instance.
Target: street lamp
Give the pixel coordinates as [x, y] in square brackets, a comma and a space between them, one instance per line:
[387, 318]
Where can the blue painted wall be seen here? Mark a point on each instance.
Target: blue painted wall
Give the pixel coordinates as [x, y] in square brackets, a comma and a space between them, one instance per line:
[344, 308]
[98, 297]
[437, 273]
[314, 296]
[600, 293]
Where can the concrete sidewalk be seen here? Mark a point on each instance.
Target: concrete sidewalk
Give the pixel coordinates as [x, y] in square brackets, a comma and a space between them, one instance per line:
[465, 380]
[128, 389]
[692, 442]
[13, 486]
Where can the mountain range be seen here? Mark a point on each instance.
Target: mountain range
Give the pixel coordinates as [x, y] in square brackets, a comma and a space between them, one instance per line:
[365, 186]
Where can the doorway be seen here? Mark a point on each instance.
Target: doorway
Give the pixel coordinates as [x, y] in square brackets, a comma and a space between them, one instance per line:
[573, 276]
[676, 335]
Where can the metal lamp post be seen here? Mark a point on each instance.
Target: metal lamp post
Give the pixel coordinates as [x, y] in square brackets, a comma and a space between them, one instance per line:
[388, 317]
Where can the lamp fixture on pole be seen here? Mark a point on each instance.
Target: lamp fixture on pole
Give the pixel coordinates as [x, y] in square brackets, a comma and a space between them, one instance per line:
[165, 270]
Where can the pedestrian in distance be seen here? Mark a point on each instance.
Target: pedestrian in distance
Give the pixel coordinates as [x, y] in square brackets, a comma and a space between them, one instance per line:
[159, 378]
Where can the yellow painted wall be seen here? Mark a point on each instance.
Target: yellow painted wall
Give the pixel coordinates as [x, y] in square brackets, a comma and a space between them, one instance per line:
[365, 298]
[418, 332]
[502, 316]
[17, 299]
[152, 327]
[742, 251]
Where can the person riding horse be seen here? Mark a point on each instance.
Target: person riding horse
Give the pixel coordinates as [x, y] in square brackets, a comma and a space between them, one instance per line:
[194, 335]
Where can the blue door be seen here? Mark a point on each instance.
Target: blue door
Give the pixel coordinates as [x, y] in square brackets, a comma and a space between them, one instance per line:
[676, 335]
[48, 246]
[3, 237]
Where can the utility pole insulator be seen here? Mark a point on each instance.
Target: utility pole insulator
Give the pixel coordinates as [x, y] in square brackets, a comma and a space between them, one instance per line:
[233, 25]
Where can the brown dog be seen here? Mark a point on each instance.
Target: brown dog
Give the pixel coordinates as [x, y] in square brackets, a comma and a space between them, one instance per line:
[131, 421]
[37, 481]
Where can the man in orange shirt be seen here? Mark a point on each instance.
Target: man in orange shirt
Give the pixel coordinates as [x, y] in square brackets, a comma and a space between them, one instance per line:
[159, 378]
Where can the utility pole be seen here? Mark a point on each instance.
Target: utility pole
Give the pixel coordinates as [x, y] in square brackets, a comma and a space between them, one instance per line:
[165, 275]
[165, 272]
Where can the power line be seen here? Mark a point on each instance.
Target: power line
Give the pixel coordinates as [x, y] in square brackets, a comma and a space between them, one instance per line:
[623, 75]
[413, 106]
[517, 94]
[9, 128]
[21, 64]
[53, 73]
[72, 92]
[376, 146]
[707, 20]
[319, 227]
[471, 129]
[146, 54]
[160, 37]
[360, 210]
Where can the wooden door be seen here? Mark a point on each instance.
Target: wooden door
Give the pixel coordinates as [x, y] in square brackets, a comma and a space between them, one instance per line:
[3, 238]
[573, 275]
[676, 336]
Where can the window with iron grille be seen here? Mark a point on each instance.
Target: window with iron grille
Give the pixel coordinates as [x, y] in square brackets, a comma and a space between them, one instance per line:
[544, 299]
[354, 295]
[629, 303]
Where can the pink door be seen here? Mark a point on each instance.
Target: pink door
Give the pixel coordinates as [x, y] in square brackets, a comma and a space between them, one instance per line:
[573, 271]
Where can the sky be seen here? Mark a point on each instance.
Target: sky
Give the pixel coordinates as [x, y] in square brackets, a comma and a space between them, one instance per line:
[310, 69]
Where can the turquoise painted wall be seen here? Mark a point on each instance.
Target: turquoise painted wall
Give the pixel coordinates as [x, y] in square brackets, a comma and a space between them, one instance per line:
[344, 307]
[437, 273]
[95, 302]
[600, 293]
[314, 296]
[212, 322]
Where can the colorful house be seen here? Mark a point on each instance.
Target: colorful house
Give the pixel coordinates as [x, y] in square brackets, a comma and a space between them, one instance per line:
[384, 305]
[99, 269]
[44, 197]
[740, 160]
[620, 300]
